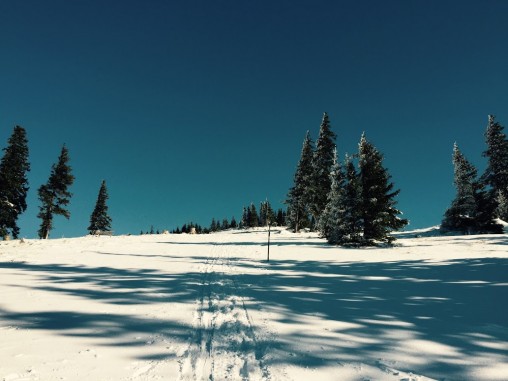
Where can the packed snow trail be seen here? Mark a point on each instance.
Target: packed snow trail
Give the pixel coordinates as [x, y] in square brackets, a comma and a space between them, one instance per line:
[223, 345]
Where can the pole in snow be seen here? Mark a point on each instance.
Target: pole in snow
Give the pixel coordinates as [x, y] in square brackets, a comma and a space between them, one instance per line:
[268, 258]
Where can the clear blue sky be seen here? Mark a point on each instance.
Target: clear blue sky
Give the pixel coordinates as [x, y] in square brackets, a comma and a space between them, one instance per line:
[191, 109]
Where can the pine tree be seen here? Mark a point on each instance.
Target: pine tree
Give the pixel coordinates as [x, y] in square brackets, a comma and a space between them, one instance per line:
[54, 195]
[322, 162]
[502, 208]
[473, 209]
[496, 174]
[213, 225]
[100, 220]
[262, 214]
[300, 195]
[270, 214]
[486, 206]
[329, 217]
[460, 216]
[244, 223]
[281, 217]
[13, 182]
[341, 222]
[266, 213]
[233, 223]
[225, 224]
[379, 214]
[253, 216]
[350, 229]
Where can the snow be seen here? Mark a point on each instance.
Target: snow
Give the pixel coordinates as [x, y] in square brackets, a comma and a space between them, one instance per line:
[501, 222]
[209, 307]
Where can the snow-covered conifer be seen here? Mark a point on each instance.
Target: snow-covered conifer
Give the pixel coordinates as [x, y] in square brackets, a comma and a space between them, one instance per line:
[253, 216]
[244, 223]
[13, 181]
[322, 162]
[329, 221]
[266, 214]
[350, 216]
[379, 214]
[281, 217]
[100, 220]
[213, 225]
[496, 174]
[472, 210]
[460, 215]
[55, 195]
[300, 195]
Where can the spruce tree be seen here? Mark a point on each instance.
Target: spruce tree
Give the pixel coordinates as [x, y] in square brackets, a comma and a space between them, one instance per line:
[100, 220]
[322, 162]
[213, 225]
[328, 223]
[55, 195]
[473, 209]
[351, 211]
[225, 224]
[233, 223]
[262, 214]
[379, 214]
[348, 228]
[502, 207]
[270, 214]
[281, 217]
[485, 213]
[13, 182]
[244, 223]
[253, 216]
[460, 216]
[300, 195]
[496, 174]
[266, 213]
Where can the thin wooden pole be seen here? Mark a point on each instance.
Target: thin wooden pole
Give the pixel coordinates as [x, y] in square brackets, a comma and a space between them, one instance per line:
[269, 226]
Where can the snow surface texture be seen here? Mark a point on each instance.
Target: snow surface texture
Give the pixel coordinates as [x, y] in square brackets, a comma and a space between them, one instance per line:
[209, 307]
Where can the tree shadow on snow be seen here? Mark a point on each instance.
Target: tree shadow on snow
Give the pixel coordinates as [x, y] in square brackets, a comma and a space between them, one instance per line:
[432, 314]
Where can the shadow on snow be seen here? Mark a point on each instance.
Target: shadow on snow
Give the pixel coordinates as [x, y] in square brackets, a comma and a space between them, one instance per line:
[435, 312]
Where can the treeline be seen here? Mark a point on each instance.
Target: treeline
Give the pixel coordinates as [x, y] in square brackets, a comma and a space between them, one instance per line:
[54, 195]
[251, 218]
[480, 200]
[350, 202]
[266, 216]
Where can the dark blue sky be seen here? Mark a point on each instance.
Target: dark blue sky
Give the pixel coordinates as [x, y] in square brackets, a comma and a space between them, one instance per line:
[190, 110]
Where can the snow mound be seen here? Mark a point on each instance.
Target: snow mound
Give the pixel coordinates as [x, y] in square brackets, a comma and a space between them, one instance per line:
[503, 223]
[432, 231]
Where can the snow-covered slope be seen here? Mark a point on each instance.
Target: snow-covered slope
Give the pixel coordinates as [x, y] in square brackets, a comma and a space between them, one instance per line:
[209, 307]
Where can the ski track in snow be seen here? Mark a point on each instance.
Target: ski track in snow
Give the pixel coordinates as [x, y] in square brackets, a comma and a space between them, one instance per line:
[193, 308]
[223, 345]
